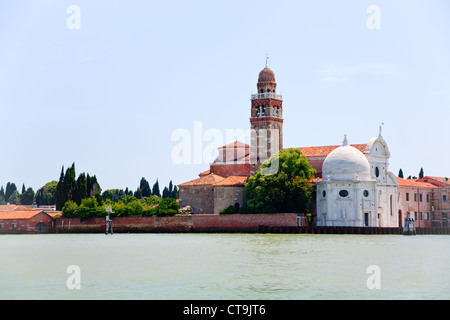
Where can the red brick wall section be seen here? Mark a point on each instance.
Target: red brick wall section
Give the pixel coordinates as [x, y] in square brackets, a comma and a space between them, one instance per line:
[199, 222]
[242, 221]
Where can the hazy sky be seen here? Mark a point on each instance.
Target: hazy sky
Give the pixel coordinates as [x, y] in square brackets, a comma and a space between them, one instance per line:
[105, 84]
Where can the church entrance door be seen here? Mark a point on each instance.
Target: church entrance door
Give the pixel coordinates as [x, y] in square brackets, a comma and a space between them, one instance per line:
[366, 219]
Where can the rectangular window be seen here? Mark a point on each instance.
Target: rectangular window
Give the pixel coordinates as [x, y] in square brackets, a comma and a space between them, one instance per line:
[428, 216]
[1, 225]
[421, 215]
[428, 197]
[415, 196]
[444, 197]
[14, 225]
[407, 196]
[420, 197]
[415, 216]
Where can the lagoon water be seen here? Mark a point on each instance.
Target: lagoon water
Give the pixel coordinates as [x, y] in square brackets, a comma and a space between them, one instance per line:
[224, 266]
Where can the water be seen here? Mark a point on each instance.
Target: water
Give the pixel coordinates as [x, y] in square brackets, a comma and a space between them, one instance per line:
[224, 266]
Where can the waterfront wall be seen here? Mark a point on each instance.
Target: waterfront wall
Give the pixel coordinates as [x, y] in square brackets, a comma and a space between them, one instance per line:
[191, 223]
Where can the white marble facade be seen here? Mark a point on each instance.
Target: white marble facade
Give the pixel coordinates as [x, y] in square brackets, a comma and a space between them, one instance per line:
[357, 188]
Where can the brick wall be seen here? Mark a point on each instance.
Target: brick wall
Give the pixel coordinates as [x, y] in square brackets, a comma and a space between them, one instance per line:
[226, 170]
[197, 223]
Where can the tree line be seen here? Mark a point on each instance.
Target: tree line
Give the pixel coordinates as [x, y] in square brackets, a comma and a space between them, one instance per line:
[83, 192]
[401, 175]
[12, 195]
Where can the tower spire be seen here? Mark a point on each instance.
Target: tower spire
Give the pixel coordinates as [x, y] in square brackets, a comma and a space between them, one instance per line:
[267, 60]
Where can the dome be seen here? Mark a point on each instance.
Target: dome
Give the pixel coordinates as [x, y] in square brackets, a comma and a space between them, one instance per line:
[346, 163]
[266, 75]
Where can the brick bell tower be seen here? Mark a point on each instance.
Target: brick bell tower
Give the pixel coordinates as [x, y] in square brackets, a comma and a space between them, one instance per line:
[266, 120]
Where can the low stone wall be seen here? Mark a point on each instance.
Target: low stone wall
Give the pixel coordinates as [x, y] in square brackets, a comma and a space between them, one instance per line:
[192, 223]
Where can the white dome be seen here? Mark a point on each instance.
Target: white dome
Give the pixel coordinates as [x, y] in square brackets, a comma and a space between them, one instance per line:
[346, 163]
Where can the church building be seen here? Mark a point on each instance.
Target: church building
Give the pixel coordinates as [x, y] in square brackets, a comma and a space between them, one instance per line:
[354, 186]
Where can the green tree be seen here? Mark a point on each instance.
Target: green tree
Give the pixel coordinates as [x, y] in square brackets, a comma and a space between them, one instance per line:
[155, 189]
[145, 188]
[175, 192]
[46, 195]
[286, 190]
[400, 173]
[10, 189]
[69, 209]
[166, 193]
[23, 188]
[81, 189]
[61, 198]
[27, 197]
[421, 174]
[114, 195]
[14, 198]
[168, 206]
[138, 193]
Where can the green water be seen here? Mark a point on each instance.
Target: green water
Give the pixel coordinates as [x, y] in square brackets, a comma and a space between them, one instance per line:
[224, 266]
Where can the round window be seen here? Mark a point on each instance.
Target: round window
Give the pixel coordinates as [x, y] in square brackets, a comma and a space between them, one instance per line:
[343, 193]
[366, 193]
[324, 193]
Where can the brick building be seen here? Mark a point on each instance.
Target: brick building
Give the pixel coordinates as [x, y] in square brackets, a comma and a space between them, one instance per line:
[440, 200]
[415, 198]
[25, 221]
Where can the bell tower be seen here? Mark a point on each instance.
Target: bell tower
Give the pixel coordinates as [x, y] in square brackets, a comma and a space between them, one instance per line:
[266, 120]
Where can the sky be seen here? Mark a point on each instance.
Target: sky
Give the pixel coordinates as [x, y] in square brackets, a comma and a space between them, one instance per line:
[112, 86]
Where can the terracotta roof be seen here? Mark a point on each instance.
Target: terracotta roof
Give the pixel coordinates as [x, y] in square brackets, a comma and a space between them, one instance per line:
[207, 180]
[266, 75]
[231, 181]
[438, 181]
[324, 151]
[414, 183]
[236, 144]
[204, 173]
[12, 207]
[55, 214]
[10, 215]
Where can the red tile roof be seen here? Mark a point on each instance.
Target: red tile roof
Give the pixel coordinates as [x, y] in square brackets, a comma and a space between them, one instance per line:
[324, 151]
[13, 207]
[414, 183]
[437, 181]
[205, 173]
[231, 181]
[236, 144]
[207, 180]
[11, 215]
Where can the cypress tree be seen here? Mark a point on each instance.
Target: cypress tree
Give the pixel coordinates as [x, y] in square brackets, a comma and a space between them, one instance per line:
[155, 190]
[60, 197]
[145, 188]
[81, 189]
[421, 173]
